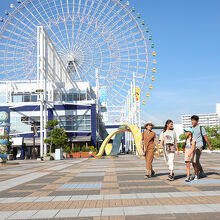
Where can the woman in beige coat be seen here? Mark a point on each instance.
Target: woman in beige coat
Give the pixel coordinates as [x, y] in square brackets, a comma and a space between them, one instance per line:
[149, 142]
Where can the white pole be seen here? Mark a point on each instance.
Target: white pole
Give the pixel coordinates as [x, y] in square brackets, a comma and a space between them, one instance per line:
[45, 62]
[133, 113]
[41, 126]
[97, 96]
[135, 102]
[38, 53]
[97, 87]
[41, 78]
[139, 116]
[132, 107]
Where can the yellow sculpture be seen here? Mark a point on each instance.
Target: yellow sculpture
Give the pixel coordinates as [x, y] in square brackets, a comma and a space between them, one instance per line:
[106, 147]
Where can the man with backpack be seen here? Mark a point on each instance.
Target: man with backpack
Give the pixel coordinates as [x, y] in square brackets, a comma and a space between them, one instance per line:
[200, 136]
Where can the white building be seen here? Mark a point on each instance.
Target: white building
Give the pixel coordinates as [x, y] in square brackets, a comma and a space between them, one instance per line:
[54, 95]
[212, 119]
[178, 129]
[218, 109]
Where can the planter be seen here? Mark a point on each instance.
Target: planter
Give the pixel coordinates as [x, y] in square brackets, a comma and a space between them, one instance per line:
[68, 155]
[47, 158]
[92, 153]
[85, 154]
[76, 155]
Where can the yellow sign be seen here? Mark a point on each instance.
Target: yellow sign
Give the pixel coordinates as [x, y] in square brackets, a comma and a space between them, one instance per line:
[137, 94]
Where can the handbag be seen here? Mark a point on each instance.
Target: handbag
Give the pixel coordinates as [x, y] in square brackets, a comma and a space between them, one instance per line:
[170, 147]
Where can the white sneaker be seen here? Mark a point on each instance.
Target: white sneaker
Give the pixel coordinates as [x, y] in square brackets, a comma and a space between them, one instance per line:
[187, 179]
[196, 178]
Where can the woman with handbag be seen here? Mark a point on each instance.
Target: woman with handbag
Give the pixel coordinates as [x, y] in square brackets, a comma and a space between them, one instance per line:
[149, 141]
[168, 140]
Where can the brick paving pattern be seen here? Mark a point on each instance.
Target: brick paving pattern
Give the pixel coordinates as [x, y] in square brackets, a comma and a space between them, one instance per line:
[108, 189]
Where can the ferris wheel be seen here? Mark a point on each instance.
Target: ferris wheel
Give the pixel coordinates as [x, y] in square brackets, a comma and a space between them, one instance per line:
[108, 35]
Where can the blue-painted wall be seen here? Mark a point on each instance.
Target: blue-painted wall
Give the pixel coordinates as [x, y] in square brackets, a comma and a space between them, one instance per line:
[51, 116]
[6, 109]
[93, 124]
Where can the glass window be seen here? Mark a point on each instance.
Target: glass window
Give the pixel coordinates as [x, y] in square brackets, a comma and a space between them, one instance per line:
[27, 98]
[75, 97]
[80, 117]
[17, 98]
[69, 122]
[88, 122]
[20, 124]
[34, 98]
[56, 96]
[69, 97]
[87, 116]
[63, 97]
[75, 123]
[82, 96]
[2, 97]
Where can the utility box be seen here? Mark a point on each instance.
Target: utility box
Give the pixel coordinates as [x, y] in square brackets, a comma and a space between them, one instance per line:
[58, 154]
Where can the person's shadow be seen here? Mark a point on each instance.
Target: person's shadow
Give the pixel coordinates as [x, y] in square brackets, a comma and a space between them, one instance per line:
[180, 176]
[209, 174]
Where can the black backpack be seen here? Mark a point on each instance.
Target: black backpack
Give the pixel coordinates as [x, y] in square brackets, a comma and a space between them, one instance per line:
[203, 139]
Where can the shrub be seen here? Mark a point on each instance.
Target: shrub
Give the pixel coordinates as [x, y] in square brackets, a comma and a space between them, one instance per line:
[83, 149]
[76, 149]
[93, 149]
[67, 149]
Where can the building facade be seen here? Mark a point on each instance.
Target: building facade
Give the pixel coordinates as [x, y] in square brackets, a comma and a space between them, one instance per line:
[75, 110]
[209, 120]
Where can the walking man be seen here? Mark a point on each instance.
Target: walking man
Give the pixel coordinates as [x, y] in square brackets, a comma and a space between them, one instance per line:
[200, 136]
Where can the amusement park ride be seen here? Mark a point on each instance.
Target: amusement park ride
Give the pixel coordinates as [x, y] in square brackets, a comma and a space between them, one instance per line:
[104, 42]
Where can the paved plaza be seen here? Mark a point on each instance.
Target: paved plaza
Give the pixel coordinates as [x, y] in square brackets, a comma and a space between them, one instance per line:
[107, 189]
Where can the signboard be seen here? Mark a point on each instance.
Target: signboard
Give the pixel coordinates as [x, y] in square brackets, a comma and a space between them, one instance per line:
[39, 91]
[103, 97]
[137, 94]
[17, 141]
[2, 131]
[3, 116]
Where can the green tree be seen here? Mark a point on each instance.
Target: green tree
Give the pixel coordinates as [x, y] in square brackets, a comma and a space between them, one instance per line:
[213, 134]
[51, 124]
[182, 137]
[56, 136]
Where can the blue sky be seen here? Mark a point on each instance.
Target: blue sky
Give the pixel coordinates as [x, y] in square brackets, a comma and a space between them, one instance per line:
[186, 34]
[187, 38]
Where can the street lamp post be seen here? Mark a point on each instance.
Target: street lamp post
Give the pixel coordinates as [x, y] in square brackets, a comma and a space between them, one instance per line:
[41, 126]
[97, 97]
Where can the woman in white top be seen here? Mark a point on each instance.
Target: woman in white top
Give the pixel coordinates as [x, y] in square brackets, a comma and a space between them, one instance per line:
[168, 140]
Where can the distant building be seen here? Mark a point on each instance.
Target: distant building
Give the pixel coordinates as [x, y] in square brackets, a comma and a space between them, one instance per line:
[218, 109]
[210, 120]
[178, 129]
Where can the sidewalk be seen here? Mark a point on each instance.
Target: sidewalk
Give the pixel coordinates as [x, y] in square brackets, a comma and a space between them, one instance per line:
[108, 189]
